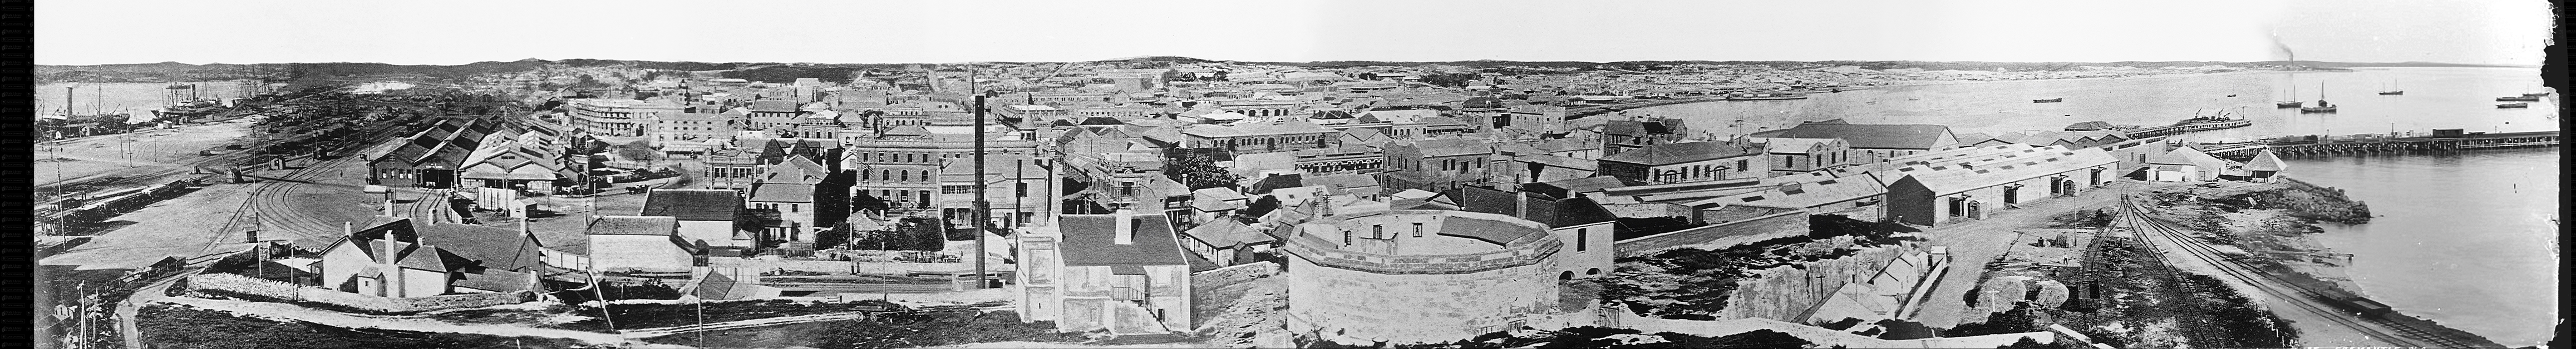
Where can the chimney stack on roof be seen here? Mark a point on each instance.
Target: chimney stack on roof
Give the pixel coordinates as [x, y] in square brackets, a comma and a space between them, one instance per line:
[1126, 218]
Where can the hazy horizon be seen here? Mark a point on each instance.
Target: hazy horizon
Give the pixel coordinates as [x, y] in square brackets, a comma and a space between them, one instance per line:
[461, 32]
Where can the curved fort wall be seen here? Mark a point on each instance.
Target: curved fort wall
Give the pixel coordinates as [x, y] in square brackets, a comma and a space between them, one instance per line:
[1360, 294]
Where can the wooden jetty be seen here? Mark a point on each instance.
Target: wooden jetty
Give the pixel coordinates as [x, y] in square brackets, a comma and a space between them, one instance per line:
[2186, 127]
[2443, 142]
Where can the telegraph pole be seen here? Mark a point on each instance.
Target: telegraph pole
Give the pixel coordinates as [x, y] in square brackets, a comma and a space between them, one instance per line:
[980, 201]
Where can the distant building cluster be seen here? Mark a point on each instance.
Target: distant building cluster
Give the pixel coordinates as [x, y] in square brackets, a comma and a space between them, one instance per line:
[1405, 204]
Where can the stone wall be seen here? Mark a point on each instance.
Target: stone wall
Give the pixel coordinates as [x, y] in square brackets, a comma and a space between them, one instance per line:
[243, 285]
[285, 291]
[1787, 293]
[1228, 276]
[1719, 236]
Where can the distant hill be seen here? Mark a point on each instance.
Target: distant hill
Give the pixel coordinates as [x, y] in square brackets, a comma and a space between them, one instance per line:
[783, 72]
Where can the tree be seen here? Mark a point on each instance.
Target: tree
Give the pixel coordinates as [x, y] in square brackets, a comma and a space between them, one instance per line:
[1197, 169]
[1453, 80]
[639, 150]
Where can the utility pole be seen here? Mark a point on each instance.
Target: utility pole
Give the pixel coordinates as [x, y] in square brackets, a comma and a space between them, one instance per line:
[981, 202]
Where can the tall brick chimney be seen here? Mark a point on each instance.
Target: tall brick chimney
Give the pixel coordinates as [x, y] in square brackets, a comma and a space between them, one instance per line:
[1126, 234]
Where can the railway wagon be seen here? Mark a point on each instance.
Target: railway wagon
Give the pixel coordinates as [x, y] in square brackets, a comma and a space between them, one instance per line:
[2349, 302]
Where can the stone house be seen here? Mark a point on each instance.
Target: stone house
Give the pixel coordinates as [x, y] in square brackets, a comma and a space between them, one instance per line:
[1124, 272]
[401, 257]
[639, 243]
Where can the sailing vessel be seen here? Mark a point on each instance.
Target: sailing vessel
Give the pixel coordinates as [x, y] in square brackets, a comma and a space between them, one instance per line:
[2294, 93]
[2322, 106]
[2513, 105]
[2392, 89]
[2051, 100]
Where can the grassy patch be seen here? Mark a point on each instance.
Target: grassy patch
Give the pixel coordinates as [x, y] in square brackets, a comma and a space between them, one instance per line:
[633, 316]
[165, 326]
[943, 329]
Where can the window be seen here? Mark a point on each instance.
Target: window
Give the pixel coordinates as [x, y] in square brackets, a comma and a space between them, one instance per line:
[1377, 231]
[1346, 237]
[1417, 229]
[1582, 239]
[1023, 190]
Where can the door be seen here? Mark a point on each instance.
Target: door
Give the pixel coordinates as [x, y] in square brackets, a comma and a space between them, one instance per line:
[2012, 194]
[1977, 209]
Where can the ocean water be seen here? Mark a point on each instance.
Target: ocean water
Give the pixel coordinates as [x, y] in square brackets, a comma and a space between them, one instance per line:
[2464, 238]
[2462, 98]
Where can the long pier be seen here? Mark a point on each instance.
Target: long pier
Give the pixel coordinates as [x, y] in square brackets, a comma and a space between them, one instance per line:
[2463, 142]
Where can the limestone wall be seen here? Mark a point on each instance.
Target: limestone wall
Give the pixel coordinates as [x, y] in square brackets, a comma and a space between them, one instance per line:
[1786, 293]
[1228, 276]
[1719, 236]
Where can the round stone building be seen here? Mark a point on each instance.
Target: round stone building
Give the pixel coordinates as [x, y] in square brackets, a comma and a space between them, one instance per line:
[1418, 276]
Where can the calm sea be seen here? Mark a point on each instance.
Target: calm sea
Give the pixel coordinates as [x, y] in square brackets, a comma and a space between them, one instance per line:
[2465, 238]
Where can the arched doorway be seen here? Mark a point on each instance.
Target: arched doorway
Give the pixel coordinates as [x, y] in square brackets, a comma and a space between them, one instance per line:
[1593, 271]
[1567, 275]
[1977, 209]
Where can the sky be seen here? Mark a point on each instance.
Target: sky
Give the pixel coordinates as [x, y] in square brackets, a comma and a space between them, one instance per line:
[465, 31]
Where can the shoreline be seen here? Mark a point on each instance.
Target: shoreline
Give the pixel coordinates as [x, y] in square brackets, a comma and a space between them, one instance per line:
[2276, 229]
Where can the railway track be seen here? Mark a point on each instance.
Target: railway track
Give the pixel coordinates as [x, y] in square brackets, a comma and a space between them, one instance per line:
[2296, 296]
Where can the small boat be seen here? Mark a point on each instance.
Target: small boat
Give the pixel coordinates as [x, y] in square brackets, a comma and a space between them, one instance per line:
[2231, 96]
[2518, 99]
[2051, 100]
[2535, 94]
[2392, 90]
[2513, 105]
[2294, 93]
[2322, 106]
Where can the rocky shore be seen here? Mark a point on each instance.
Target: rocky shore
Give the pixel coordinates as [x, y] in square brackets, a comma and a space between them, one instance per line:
[2275, 223]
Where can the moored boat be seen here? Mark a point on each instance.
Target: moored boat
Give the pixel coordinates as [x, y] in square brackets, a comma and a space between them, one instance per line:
[2513, 105]
[2522, 98]
[2051, 100]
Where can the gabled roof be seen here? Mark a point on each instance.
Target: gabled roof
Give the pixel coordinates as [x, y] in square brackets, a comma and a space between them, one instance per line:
[2000, 168]
[1804, 194]
[1793, 145]
[797, 169]
[491, 247]
[1452, 147]
[2265, 161]
[1091, 240]
[693, 204]
[782, 192]
[2184, 156]
[1870, 135]
[1676, 153]
[1224, 233]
